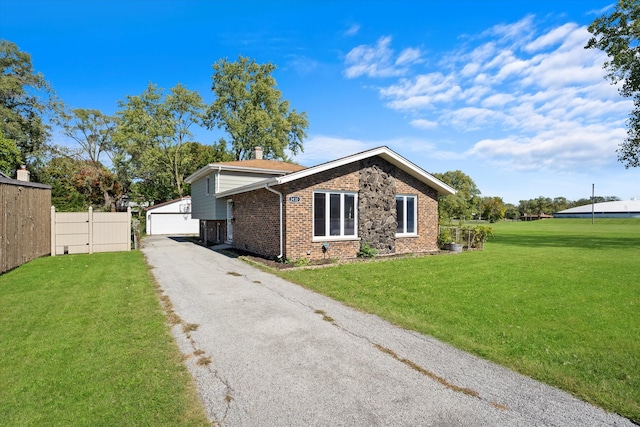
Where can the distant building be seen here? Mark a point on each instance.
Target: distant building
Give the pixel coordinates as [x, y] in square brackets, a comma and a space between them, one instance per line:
[618, 209]
[534, 217]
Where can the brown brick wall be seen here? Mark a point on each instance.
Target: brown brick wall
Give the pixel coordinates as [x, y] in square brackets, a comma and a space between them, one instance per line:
[299, 216]
[256, 228]
[216, 231]
[427, 223]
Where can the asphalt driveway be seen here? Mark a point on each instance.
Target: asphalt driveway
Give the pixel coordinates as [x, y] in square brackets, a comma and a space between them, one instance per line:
[266, 352]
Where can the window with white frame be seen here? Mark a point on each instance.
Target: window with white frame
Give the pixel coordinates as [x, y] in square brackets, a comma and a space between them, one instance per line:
[334, 214]
[208, 186]
[407, 212]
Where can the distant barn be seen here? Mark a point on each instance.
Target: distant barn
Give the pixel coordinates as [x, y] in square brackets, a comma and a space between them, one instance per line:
[619, 209]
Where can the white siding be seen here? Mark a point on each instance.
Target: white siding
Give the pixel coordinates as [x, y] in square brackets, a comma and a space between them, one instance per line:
[203, 206]
[207, 207]
[230, 180]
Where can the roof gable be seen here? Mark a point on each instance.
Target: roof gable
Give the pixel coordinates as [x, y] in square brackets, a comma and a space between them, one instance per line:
[383, 152]
[185, 199]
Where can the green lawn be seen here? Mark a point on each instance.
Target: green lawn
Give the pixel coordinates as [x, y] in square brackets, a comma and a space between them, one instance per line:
[557, 300]
[83, 341]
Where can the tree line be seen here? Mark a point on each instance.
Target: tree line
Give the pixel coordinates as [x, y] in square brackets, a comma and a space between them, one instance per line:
[143, 153]
[469, 204]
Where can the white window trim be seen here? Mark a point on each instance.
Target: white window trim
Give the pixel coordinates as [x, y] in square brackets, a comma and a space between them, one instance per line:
[328, 218]
[415, 215]
[208, 185]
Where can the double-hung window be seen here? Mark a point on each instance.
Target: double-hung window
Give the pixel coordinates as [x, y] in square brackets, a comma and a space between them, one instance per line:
[334, 214]
[406, 208]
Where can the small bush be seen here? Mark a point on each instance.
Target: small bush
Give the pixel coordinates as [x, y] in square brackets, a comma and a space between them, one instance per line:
[366, 251]
[444, 237]
[302, 262]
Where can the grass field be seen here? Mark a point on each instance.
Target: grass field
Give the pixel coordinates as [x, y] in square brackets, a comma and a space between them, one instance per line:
[83, 341]
[557, 300]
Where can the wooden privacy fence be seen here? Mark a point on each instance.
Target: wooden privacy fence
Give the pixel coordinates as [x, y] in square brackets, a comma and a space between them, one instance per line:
[90, 232]
[25, 230]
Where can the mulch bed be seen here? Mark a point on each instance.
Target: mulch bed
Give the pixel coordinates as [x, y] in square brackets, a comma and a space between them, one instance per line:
[236, 253]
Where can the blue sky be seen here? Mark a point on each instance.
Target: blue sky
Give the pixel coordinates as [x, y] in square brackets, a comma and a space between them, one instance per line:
[502, 90]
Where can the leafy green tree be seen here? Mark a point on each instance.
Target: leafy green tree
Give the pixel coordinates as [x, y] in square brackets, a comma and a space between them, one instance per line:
[9, 155]
[511, 212]
[93, 131]
[618, 34]
[25, 100]
[543, 205]
[465, 202]
[560, 204]
[250, 108]
[59, 171]
[493, 208]
[155, 141]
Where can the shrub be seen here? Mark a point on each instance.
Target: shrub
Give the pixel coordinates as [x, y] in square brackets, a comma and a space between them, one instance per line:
[366, 251]
[444, 237]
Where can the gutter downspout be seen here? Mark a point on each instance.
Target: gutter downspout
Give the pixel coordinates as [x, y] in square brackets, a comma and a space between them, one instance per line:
[266, 186]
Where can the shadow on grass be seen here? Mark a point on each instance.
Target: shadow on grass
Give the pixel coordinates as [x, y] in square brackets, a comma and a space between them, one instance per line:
[568, 241]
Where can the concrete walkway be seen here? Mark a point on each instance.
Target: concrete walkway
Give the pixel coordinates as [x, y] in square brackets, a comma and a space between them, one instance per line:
[285, 356]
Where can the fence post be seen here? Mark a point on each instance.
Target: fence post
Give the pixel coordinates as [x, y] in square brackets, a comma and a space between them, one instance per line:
[129, 222]
[53, 231]
[90, 229]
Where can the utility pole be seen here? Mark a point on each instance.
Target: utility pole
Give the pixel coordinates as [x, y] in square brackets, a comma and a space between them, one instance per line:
[593, 201]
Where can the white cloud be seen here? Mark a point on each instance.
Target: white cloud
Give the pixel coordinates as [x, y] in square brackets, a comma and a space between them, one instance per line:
[561, 149]
[321, 148]
[352, 30]
[378, 60]
[539, 95]
[409, 56]
[552, 37]
[424, 124]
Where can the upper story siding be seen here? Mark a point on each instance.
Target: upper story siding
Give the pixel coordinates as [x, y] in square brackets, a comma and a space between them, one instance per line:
[206, 206]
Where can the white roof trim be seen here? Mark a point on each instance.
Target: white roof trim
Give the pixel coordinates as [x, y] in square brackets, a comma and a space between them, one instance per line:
[214, 167]
[619, 206]
[384, 152]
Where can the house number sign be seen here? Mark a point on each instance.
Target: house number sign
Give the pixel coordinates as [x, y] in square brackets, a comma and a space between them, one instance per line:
[294, 199]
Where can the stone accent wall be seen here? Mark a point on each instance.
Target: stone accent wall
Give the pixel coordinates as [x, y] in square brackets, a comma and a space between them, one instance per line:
[377, 205]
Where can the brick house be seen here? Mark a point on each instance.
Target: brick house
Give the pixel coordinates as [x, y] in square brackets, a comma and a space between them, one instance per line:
[278, 209]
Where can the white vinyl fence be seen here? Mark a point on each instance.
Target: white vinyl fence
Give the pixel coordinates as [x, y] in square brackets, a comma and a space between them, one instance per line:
[90, 232]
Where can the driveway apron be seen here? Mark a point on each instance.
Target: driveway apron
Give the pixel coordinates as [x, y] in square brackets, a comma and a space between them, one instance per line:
[281, 355]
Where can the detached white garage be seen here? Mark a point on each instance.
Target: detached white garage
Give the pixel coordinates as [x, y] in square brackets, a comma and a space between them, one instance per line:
[173, 217]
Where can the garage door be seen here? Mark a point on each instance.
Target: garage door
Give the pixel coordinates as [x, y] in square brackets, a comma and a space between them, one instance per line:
[172, 224]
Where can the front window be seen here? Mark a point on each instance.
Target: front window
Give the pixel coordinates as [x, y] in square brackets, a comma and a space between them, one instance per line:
[406, 214]
[334, 214]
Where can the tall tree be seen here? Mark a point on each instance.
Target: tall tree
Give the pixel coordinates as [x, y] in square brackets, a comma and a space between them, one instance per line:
[93, 131]
[9, 155]
[250, 108]
[618, 34]
[154, 134]
[25, 100]
[465, 202]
